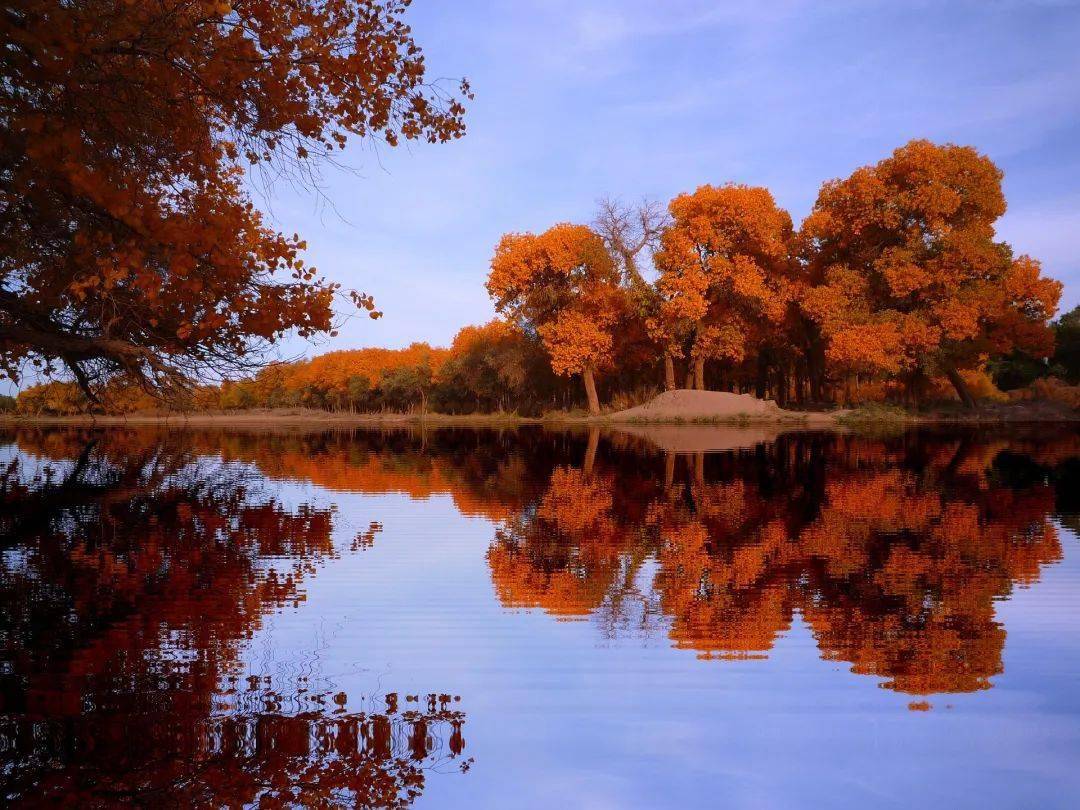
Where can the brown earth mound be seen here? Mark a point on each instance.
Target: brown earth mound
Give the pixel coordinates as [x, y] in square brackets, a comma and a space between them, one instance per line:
[687, 406]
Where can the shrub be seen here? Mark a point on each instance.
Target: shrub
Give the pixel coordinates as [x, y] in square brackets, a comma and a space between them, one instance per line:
[1050, 389]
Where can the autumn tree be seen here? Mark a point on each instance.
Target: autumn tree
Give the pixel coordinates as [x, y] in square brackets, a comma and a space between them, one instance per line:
[632, 235]
[128, 241]
[726, 280]
[563, 286]
[908, 277]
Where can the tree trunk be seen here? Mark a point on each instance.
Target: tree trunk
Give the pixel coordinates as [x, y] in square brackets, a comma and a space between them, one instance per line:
[781, 386]
[669, 372]
[762, 382]
[815, 368]
[960, 386]
[590, 391]
[689, 378]
[699, 373]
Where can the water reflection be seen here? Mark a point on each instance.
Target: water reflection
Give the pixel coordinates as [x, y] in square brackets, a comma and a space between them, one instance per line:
[137, 564]
[133, 570]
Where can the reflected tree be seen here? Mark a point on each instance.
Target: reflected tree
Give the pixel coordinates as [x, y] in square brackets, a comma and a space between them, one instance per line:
[133, 574]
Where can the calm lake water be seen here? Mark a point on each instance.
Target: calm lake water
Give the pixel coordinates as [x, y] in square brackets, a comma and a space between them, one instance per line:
[462, 618]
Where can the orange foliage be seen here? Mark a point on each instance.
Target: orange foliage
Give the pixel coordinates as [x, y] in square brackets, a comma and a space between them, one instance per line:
[329, 379]
[1050, 389]
[134, 246]
[66, 399]
[726, 279]
[563, 285]
[907, 275]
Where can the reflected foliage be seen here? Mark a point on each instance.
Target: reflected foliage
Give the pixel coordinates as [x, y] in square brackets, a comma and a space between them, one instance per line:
[134, 569]
[892, 552]
[137, 564]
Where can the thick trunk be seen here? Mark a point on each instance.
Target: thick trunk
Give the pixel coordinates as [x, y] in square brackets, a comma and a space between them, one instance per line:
[815, 367]
[817, 389]
[669, 372]
[590, 391]
[140, 362]
[699, 373]
[961, 387]
[912, 390]
[689, 378]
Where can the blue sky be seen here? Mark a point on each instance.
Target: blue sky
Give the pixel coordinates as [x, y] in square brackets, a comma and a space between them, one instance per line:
[575, 100]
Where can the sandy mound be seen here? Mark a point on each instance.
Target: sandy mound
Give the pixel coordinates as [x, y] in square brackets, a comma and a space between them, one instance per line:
[686, 405]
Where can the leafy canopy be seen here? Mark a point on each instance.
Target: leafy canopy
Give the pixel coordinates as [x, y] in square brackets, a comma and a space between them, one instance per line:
[129, 242]
[906, 270]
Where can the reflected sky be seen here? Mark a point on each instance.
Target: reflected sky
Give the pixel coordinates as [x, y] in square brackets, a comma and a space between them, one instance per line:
[469, 618]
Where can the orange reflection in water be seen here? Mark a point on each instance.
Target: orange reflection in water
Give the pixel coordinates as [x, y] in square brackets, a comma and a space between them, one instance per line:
[894, 554]
[135, 568]
[893, 551]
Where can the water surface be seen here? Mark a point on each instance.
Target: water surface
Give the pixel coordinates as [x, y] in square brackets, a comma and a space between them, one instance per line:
[527, 618]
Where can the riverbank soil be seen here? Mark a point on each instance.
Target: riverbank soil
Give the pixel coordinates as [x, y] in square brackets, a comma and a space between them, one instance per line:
[685, 405]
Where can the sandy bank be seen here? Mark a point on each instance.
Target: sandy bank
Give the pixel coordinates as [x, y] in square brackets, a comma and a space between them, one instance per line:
[684, 405]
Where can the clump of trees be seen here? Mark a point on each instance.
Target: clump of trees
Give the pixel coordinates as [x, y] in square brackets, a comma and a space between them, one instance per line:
[1019, 370]
[894, 281]
[487, 368]
[907, 278]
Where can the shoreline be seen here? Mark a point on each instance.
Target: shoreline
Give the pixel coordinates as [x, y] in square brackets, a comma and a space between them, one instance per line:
[1015, 414]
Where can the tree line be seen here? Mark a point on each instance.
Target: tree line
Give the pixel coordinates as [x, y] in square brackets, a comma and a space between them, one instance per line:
[894, 288]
